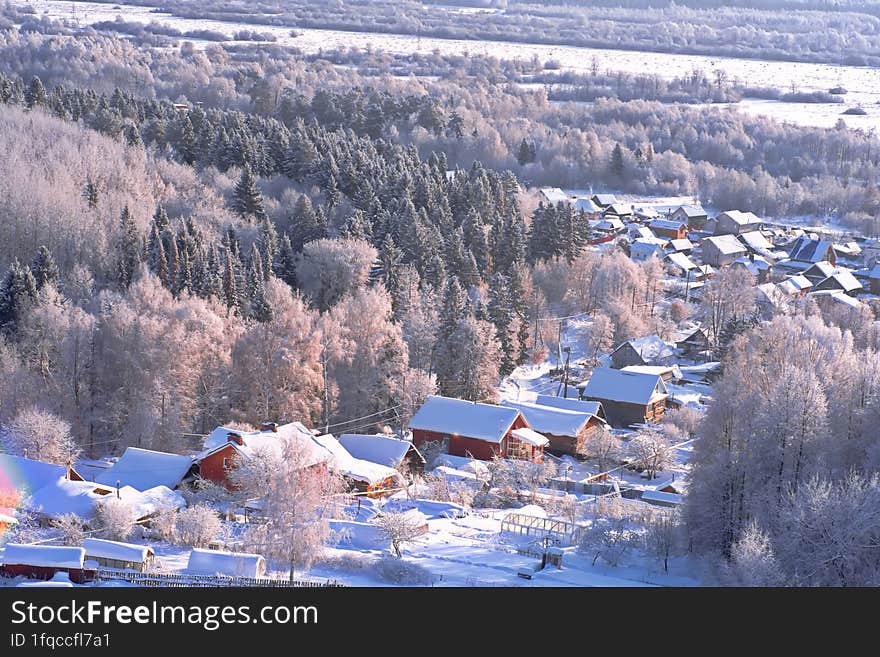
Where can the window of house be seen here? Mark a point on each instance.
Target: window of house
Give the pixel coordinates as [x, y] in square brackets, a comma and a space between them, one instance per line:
[225, 463]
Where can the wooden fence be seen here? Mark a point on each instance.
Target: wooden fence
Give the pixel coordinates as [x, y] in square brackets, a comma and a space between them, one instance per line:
[182, 580]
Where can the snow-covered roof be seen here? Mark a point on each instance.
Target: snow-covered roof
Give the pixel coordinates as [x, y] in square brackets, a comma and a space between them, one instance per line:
[808, 249]
[755, 240]
[642, 248]
[646, 212]
[151, 501]
[354, 468]
[63, 496]
[590, 407]
[666, 224]
[658, 370]
[681, 261]
[795, 284]
[740, 218]
[768, 293]
[380, 449]
[619, 209]
[661, 497]
[839, 297]
[486, 422]
[219, 562]
[609, 223]
[692, 211]
[622, 386]
[841, 279]
[552, 420]
[89, 469]
[650, 348]
[554, 195]
[725, 244]
[604, 199]
[49, 556]
[529, 436]
[681, 244]
[18, 474]
[7, 516]
[103, 549]
[267, 440]
[821, 269]
[144, 468]
[587, 205]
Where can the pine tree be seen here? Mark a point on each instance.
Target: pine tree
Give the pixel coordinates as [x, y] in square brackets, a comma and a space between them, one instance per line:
[90, 194]
[17, 291]
[133, 136]
[230, 284]
[161, 220]
[267, 242]
[617, 163]
[44, 269]
[454, 308]
[261, 310]
[500, 312]
[156, 258]
[247, 200]
[129, 253]
[307, 224]
[173, 259]
[526, 153]
[356, 226]
[35, 95]
[285, 262]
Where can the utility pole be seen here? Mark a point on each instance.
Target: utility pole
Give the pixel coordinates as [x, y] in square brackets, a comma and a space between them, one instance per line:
[326, 400]
[567, 351]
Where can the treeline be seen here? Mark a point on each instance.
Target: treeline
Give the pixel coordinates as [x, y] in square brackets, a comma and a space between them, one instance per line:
[801, 32]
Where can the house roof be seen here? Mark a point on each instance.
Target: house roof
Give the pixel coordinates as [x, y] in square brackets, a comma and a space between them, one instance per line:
[486, 422]
[591, 407]
[49, 556]
[681, 261]
[63, 496]
[755, 240]
[609, 223]
[768, 293]
[666, 224]
[795, 284]
[529, 436]
[691, 211]
[552, 420]
[151, 501]
[266, 440]
[650, 347]
[619, 209]
[822, 269]
[219, 562]
[659, 370]
[740, 218]
[808, 249]
[25, 476]
[554, 195]
[725, 244]
[587, 205]
[354, 468]
[681, 244]
[839, 297]
[622, 386]
[604, 199]
[383, 450]
[646, 212]
[144, 468]
[103, 549]
[841, 279]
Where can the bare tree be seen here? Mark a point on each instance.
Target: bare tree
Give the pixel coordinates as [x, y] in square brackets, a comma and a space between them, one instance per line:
[650, 450]
[401, 527]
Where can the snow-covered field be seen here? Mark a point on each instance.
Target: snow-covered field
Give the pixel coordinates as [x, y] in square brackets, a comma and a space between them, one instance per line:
[861, 82]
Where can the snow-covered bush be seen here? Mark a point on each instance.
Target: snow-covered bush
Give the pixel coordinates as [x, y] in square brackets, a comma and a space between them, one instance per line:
[197, 526]
[70, 528]
[405, 573]
[116, 518]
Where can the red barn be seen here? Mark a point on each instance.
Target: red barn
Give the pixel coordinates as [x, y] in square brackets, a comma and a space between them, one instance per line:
[44, 561]
[474, 430]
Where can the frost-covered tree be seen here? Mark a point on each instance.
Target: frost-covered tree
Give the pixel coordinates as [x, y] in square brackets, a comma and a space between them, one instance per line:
[40, 435]
[115, 518]
[329, 269]
[650, 450]
[400, 528]
[196, 526]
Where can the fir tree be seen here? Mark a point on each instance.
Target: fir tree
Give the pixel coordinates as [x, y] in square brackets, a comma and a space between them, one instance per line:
[90, 194]
[17, 291]
[156, 257]
[161, 220]
[44, 269]
[501, 313]
[285, 262]
[261, 310]
[230, 283]
[129, 254]
[247, 200]
[267, 243]
[35, 95]
[617, 163]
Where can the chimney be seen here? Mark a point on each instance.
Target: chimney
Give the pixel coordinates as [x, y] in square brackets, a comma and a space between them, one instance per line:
[269, 426]
[236, 438]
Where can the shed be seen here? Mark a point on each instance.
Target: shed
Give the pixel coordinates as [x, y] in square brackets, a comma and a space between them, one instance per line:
[230, 564]
[44, 561]
[113, 554]
[647, 350]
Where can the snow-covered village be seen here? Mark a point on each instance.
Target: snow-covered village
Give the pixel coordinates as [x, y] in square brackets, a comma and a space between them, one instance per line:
[284, 308]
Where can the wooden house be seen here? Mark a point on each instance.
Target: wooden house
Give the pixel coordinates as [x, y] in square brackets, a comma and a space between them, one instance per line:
[143, 469]
[795, 286]
[618, 210]
[668, 228]
[627, 397]
[694, 217]
[374, 479]
[113, 554]
[603, 200]
[841, 280]
[43, 562]
[475, 430]
[554, 195]
[818, 271]
[569, 431]
[721, 250]
[735, 222]
[695, 344]
[644, 249]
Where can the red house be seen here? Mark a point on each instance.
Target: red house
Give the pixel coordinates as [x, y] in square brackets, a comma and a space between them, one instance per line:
[474, 430]
[224, 446]
[674, 230]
